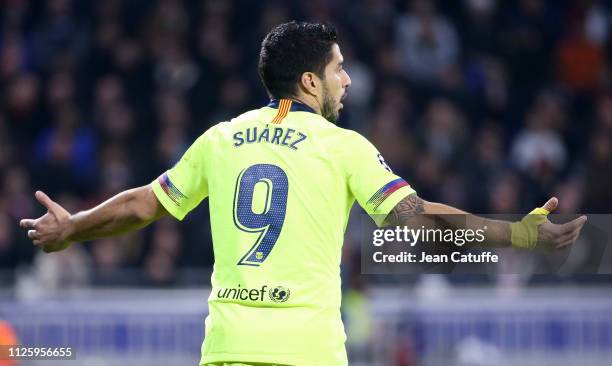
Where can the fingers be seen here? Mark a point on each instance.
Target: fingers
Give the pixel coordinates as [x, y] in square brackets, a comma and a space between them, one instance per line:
[27, 223]
[46, 201]
[42, 242]
[551, 204]
[569, 241]
[37, 238]
[556, 236]
[33, 234]
[574, 225]
[571, 235]
[566, 239]
[566, 236]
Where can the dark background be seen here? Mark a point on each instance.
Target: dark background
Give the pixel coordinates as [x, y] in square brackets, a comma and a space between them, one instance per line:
[491, 106]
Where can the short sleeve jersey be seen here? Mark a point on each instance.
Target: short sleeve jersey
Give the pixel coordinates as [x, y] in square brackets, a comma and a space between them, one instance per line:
[281, 181]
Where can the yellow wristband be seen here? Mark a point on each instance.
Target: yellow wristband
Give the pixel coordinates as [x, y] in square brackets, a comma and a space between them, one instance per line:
[525, 232]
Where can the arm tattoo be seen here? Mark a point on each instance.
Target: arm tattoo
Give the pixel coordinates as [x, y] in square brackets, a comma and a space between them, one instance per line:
[405, 210]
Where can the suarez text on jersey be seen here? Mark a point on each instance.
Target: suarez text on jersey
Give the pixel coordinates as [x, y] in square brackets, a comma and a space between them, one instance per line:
[288, 137]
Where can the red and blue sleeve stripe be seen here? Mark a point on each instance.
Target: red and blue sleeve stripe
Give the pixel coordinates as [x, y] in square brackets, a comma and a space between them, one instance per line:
[170, 189]
[381, 195]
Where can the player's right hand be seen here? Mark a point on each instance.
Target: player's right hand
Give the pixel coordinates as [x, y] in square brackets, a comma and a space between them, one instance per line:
[50, 231]
[556, 236]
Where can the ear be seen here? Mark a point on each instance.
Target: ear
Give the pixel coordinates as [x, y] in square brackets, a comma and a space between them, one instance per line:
[310, 83]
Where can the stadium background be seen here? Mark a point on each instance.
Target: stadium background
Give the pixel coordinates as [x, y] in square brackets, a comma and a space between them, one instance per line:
[488, 105]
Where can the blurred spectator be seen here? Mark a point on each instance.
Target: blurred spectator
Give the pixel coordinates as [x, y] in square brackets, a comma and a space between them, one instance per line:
[60, 89]
[233, 94]
[504, 195]
[173, 139]
[427, 43]
[486, 78]
[369, 21]
[113, 257]
[570, 195]
[6, 145]
[16, 56]
[444, 133]
[60, 38]
[580, 60]
[214, 43]
[22, 100]
[528, 35]
[17, 192]
[175, 70]
[453, 190]
[428, 172]
[67, 151]
[480, 30]
[389, 128]
[361, 90]
[597, 23]
[97, 98]
[538, 150]
[115, 172]
[487, 162]
[599, 173]
[162, 259]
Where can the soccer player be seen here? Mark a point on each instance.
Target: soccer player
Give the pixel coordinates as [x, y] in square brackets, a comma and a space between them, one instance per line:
[281, 181]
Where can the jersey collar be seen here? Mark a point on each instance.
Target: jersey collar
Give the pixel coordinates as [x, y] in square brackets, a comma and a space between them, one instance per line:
[295, 106]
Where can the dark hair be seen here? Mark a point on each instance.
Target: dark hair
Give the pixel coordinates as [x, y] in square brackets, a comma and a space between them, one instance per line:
[291, 49]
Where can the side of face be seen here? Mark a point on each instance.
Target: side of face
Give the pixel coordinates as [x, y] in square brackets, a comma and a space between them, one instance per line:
[331, 89]
[334, 85]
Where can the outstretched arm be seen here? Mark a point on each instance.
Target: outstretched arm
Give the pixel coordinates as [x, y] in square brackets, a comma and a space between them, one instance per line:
[127, 211]
[414, 211]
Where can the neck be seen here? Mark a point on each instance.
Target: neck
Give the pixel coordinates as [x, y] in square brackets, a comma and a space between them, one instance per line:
[309, 100]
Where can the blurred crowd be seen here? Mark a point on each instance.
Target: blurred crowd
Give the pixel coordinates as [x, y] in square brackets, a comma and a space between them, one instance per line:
[488, 105]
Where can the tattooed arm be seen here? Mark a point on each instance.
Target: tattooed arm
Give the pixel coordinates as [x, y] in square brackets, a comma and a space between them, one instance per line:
[415, 212]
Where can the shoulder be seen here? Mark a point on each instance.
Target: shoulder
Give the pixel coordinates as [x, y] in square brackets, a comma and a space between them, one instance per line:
[327, 129]
[225, 128]
[350, 138]
[350, 147]
[247, 116]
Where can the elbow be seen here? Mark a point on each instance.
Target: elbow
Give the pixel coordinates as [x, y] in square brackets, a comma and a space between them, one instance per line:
[143, 205]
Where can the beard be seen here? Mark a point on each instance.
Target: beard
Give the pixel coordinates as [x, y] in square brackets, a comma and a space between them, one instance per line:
[329, 109]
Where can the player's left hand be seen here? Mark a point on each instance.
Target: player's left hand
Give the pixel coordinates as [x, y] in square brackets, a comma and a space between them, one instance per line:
[556, 236]
[535, 231]
[50, 231]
